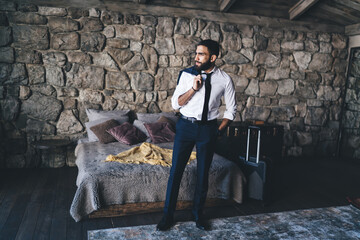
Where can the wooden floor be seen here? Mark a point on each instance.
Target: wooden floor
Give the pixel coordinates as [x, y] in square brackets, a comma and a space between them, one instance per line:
[35, 203]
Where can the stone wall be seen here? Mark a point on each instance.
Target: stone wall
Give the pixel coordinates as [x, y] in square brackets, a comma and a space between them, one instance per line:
[351, 116]
[55, 62]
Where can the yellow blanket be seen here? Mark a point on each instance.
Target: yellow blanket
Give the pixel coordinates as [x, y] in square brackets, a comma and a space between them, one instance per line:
[146, 153]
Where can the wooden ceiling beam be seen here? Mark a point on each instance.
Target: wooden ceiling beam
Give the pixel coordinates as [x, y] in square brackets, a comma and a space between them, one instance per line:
[300, 7]
[224, 5]
[352, 29]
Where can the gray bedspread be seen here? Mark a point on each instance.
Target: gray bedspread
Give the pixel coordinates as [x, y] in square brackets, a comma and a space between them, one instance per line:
[103, 183]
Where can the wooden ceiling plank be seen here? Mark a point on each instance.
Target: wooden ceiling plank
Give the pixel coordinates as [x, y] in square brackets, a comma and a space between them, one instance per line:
[140, 1]
[211, 5]
[258, 11]
[351, 30]
[270, 6]
[339, 12]
[350, 4]
[324, 16]
[241, 19]
[224, 5]
[300, 7]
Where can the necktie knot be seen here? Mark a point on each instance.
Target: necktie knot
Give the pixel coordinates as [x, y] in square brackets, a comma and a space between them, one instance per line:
[208, 76]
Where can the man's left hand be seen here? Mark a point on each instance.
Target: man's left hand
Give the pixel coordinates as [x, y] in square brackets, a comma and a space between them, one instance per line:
[220, 132]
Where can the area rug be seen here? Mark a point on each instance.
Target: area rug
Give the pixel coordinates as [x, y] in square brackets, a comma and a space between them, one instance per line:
[321, 223]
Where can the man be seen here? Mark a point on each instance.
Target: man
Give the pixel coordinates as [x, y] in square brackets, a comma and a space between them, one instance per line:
[198, 96]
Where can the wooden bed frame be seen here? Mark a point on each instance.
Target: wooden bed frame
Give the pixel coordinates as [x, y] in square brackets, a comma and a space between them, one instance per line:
[148, 207]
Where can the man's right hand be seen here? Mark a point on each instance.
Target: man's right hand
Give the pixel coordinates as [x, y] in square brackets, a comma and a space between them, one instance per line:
[184, 98]
[197, 82]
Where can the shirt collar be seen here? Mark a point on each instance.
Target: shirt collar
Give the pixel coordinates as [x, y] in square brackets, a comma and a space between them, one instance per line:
[212, 71]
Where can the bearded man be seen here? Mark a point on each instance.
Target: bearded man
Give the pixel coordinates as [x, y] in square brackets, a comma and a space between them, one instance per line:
[198, 96]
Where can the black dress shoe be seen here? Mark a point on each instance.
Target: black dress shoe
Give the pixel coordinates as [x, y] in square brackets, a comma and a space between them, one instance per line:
[165, 224]
[201, 223]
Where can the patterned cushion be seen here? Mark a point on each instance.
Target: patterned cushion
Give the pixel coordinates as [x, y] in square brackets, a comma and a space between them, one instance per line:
[127, 133]
[160, 132]
[100, 131]
[168, 120]
[91, 136]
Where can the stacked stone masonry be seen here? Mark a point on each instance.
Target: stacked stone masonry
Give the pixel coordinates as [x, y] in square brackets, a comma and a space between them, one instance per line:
[350, 145]
[55, 62]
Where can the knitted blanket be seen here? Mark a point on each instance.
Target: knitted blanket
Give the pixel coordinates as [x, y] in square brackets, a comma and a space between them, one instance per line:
[146, 153]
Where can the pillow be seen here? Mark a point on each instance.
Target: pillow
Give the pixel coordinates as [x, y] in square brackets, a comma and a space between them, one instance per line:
[100, 131]
[168, 120]
[91, 136]
[153, 117]
[127, 133]
[160, 132]
[140, 125]
[94, 114]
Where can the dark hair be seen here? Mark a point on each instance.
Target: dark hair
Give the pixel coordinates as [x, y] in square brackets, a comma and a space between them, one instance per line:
[212, 45]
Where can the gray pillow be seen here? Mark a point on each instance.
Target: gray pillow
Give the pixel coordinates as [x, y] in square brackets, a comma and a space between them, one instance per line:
[140, 125]
[153, 117]
[94, 114]
[91, 136]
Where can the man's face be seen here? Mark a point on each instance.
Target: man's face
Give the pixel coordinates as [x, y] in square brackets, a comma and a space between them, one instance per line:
[203, 60]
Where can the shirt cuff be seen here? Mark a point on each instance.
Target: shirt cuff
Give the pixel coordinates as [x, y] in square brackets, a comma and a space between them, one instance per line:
[175, 103]
[228, 115]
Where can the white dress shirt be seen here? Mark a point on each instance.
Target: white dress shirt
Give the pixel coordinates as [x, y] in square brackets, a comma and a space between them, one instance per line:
[221, 85]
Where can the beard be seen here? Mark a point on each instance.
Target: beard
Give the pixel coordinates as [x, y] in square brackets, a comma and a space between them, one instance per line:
[204, 66]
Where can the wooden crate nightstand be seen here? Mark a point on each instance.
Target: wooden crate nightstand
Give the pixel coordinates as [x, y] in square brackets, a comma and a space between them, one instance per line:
[233, 142]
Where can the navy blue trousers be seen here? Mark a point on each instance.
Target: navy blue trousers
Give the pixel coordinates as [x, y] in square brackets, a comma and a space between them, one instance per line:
[188, 135]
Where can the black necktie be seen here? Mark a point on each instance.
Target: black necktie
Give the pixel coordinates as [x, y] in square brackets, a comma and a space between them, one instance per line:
[207, 97]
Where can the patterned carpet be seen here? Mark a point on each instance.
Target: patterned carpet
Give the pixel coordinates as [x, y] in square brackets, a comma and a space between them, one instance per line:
[321, 223]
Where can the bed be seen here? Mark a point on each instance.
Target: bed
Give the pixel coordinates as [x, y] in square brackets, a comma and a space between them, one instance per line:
[105, 185]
